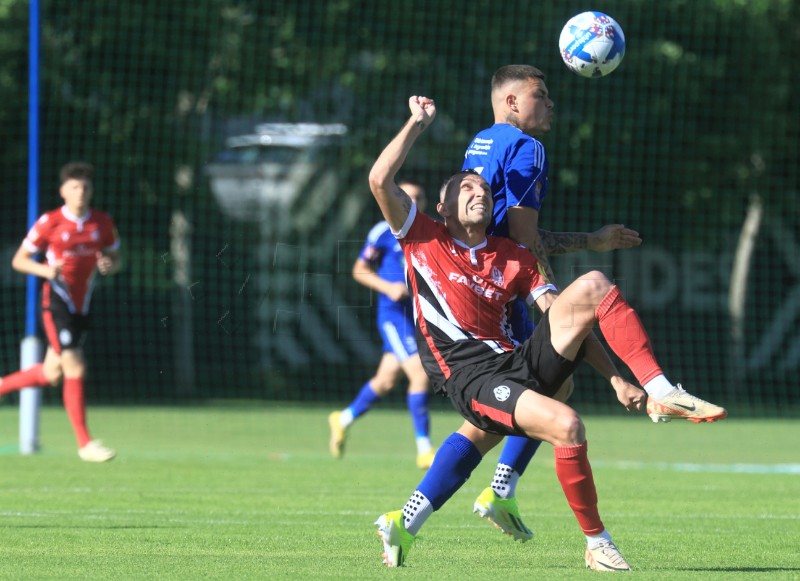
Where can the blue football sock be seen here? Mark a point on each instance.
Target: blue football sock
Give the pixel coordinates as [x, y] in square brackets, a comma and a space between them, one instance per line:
[456, 459]
[418, 408]
[365, 399]
[517, 452]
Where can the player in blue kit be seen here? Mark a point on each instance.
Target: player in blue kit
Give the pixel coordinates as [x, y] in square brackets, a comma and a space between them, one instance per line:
[381, 267]
[514, 162]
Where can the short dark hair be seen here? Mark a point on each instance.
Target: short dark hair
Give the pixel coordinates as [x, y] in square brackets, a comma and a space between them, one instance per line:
[76, 170]
[456, 177]
[508, 73]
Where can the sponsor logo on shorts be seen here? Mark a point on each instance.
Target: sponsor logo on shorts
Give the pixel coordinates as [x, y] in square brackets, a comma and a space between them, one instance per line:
[502, 392]
[65, 337]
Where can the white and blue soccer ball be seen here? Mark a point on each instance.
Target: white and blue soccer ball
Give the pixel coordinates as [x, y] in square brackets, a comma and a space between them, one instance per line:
[592, 44]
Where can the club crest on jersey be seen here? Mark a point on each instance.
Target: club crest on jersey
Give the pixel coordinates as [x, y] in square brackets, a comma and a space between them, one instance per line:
[497, 276]
[370, 253]
[502, 392]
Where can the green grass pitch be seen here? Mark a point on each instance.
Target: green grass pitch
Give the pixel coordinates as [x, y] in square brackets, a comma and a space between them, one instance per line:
[250, 492]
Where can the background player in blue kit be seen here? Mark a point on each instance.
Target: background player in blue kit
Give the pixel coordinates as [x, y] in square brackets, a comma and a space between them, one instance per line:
[514, 162]
[381, 267]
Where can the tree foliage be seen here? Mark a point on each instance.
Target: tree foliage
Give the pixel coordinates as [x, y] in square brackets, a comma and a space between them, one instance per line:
[700, 116]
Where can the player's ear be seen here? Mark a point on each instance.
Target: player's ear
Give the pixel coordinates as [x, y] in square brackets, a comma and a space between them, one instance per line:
[442, 209]
[511, 101]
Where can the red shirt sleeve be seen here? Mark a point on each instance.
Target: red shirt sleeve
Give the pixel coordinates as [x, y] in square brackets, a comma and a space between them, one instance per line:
[38, 237]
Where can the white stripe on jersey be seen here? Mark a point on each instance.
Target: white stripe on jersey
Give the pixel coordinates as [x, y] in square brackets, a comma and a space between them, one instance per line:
[539, 158]
[432, 317]
[447, 323]
[539, 291]
[407, 225]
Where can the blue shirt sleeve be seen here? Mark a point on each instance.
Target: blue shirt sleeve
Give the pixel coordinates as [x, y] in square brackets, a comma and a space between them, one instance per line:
[376, 245]
[526, 175]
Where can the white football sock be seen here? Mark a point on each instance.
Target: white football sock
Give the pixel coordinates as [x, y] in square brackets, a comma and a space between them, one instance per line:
[416, 512]
[658, 387]
[346, 418]
[505, 480]
[593, 540]
[424, 445]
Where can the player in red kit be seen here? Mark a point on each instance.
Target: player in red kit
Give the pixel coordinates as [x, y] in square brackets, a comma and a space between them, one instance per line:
[78, 242]
[462, 280]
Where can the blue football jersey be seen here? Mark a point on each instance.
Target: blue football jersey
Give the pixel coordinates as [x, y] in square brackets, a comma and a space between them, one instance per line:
[514, 164]
[383, 253]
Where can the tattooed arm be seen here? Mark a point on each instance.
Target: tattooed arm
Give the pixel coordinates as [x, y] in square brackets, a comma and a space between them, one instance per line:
[610, 237]
[563, 242]
[393, 201]
[523, 229]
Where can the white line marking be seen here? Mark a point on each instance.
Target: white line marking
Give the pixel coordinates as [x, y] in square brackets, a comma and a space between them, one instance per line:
[719, 468]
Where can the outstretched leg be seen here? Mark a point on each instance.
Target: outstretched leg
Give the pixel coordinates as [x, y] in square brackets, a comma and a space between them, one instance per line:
[455, 460]
[417, 401]
[370, 394]
[593, 298]
[45, 374]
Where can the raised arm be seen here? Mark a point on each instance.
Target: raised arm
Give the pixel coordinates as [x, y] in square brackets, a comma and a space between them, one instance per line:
[393, 201]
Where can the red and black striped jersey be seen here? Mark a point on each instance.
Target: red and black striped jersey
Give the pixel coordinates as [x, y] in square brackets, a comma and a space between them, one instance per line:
[461, 294]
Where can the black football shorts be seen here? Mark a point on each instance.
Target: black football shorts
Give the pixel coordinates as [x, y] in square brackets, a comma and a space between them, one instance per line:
[485, 392]
[64, 330]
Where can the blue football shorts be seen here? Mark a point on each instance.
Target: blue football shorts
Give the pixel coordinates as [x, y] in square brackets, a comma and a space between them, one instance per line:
[398, 333]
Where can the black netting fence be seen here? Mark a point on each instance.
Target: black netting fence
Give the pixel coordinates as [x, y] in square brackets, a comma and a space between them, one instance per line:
[238, 248]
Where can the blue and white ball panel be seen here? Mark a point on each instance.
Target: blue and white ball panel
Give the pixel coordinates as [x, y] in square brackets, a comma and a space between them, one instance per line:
[592, 44]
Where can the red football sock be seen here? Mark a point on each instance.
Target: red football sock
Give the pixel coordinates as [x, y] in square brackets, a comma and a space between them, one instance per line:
[30, 377]
[575, 475]
[626, 335]
[76, 409]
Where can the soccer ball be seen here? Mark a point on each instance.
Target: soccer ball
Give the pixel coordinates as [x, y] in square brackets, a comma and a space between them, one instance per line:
[592, 44]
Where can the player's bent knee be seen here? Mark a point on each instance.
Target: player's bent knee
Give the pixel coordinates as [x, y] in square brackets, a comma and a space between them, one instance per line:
[595, 283]
[568, 429]
[54, 378]
[381, 386]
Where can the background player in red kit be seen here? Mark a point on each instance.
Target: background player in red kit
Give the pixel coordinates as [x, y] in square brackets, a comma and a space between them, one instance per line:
[77, 241]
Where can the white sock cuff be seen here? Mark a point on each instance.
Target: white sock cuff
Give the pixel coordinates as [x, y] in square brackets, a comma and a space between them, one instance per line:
[593, 540]
[416, 512]
[346, 418]
[658, 387]
[505, 480]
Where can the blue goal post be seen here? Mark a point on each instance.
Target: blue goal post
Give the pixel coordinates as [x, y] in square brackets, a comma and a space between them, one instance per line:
[30, 399]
